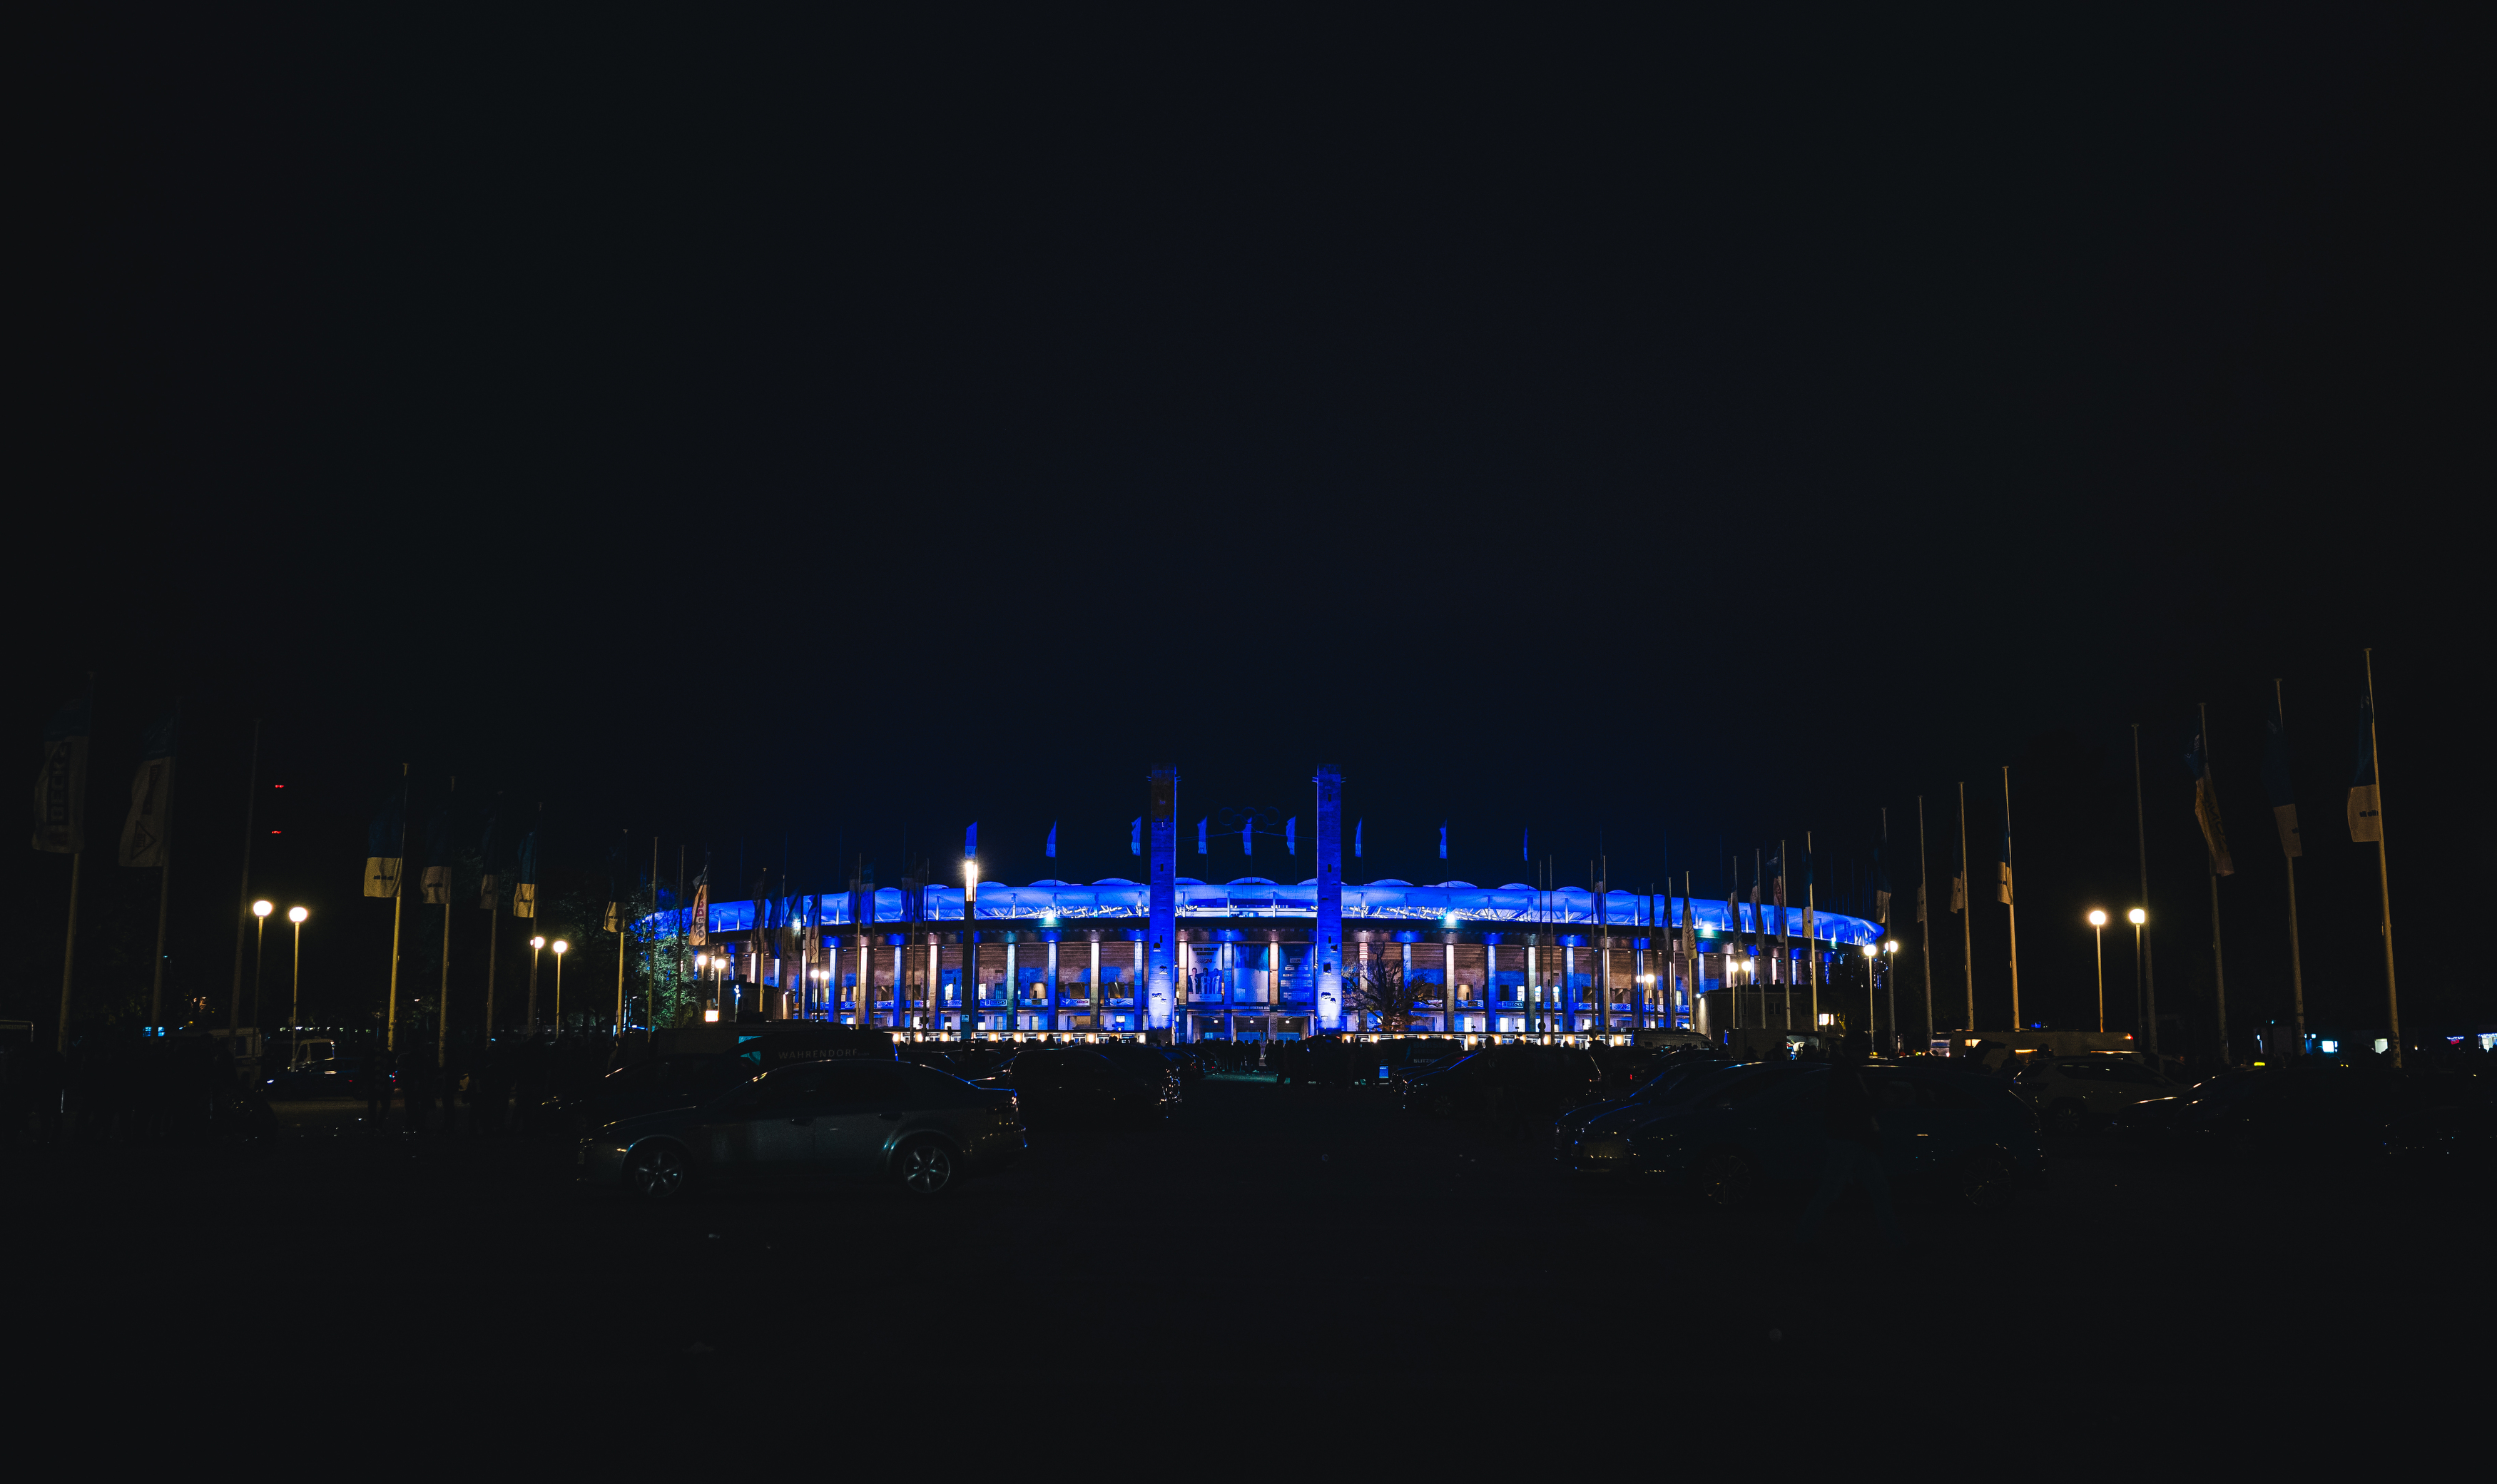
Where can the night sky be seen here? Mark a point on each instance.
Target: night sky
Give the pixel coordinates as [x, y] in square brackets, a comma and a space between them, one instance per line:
[797, 445]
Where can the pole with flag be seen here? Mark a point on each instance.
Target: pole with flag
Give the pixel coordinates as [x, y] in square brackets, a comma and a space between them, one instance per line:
[524, 903]
[2215, 836]
[615, 921]
[2003, 893]
[147, 840]
[1785, 962]
[2283, 793]
[60, 818]
[1733, 939]
[489, 898]
[1924, 920]
[243, 912]
[436, 885]
[2367, 823]
[1967, 919]
[385, 862]
[1882, 916]
[1048, 848]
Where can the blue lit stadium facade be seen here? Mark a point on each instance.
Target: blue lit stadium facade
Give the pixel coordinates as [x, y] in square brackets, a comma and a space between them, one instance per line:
[1252, 956]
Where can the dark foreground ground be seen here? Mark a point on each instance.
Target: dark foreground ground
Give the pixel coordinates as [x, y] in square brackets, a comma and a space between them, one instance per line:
[1278, 1262]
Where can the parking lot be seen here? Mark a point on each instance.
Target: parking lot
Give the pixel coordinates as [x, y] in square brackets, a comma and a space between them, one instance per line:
[1267, 1235]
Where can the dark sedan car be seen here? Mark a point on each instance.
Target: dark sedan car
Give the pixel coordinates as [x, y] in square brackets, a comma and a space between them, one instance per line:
[1675, 1078]
[815, 1122]
[2310, 1106]
[1076, 1085]
[1758, 1127]
[1510, 1083]
[655, 1086]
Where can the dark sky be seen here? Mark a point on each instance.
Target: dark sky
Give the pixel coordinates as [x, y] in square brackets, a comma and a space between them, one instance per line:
[1649, 437]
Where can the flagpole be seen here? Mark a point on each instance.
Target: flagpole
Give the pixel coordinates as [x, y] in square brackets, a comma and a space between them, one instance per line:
[243, 908]
[2010, 908]
[2148, 1009]
[164, 897]
[1882, 887]
[2296, 963]
[2383, 869]
[1925, 920]
[76, 818]
[2219, 971]
[442, 1001]
[1967, 913]
[69, 951]
[398, 896]
[1810, 907]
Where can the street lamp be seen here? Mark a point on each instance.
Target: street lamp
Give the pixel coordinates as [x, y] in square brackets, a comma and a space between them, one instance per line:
[560, 948]
[260, 911]
[295, 990]
[2137, 917]
[537, 941]
[970, 990]
[2097, 934]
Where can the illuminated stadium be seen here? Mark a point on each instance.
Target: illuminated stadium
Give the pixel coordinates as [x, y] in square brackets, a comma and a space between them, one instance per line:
[1252, 956]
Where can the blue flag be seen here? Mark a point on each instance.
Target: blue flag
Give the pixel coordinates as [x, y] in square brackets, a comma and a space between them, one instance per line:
[1292, 835]
[486, 880]
[972, 840]
[1245, 826]
[1523, 837]
[436, 881]
[386, 842]
[1050, 849]
[1200, 836]
[524, 884]
[1444, 839]
[2277, 785]
[1356, 839]
[2365, 824]
[1136, 836]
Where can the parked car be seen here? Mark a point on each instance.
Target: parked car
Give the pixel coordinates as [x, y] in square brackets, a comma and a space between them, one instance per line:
[1678, 1073]
[1148, 1064]
[1515, 1084]
[814, 1124]
[1757, 1128]
[2310, 1105]
[682, 1081]
[1078, 1085]
[335, 1077]
[2074, 1093]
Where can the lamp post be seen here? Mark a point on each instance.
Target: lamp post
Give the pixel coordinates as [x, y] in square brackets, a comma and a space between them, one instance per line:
[1871, 1006]
[2098, 933]
[2137, 917]
[1890, 984]
[260, 911]
[970, 990]
[560, 949]
[537, 941]
[295, 973]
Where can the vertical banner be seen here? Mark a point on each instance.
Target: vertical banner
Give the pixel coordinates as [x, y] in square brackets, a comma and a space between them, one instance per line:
[151, 794]
[524, 883]
[386, 843]
[60, 784]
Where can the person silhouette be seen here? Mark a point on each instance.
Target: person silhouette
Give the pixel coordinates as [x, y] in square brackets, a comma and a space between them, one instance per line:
[1851, 1148]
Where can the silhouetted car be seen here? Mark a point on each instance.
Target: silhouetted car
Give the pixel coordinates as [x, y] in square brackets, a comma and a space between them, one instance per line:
[1757, 1127]
[2074, 1093]
[2309, 1105]
[1513, 1083]
[1078, 1085]
[1676, 1077]
[815, 1122]
[1147, 1063]
[336, 1077]
[682, 1081]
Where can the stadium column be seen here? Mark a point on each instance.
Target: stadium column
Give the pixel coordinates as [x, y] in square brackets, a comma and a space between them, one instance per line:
[1014, 990]
[1052, 935]
[1448, 984]
[1161, 927]
[1092, 984]
[935, 979]
[1329, 942]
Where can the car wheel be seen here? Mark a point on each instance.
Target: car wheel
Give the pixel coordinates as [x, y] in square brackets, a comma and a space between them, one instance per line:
[927, 1167]
[1726, 1179]
[1987, 1181]
[2067, 1117]
[658, 1172]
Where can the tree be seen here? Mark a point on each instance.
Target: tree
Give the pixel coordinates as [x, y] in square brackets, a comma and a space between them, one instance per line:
[1380, 989]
